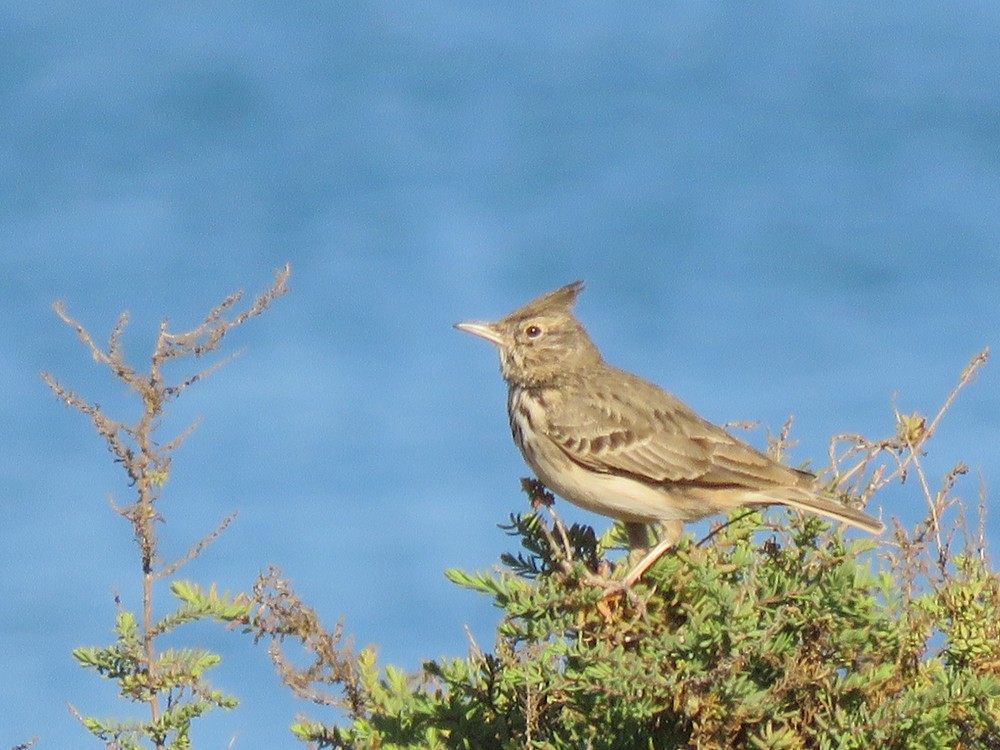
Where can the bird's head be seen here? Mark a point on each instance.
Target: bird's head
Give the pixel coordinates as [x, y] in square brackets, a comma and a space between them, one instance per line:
[542, 341]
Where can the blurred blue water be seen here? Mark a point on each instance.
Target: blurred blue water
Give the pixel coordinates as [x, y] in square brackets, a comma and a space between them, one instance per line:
[789, 208]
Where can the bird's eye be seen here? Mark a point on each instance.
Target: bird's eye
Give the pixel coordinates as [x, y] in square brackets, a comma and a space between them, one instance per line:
[533, 332]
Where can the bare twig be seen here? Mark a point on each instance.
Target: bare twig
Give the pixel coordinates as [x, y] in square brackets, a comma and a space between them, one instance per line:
[861, 467]
[282, 614]
[197, 548]
[902, 449]
[147, 460]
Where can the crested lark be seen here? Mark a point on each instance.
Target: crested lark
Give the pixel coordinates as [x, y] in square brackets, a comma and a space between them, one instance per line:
[618, 445]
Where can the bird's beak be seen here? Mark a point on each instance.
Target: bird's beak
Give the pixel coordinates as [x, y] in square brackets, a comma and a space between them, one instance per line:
[487, 331]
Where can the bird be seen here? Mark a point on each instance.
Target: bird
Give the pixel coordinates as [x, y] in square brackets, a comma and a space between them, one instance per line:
[617, 444]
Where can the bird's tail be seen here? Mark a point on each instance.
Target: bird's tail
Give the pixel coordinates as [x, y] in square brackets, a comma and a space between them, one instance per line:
[814, 503]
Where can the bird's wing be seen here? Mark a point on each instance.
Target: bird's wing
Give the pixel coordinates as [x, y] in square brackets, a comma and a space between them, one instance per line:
[640, 430]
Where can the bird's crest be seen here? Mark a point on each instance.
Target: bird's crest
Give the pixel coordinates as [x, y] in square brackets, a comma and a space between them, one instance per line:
[561, 299]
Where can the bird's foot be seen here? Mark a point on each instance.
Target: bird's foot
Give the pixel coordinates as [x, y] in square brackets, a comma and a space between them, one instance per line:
[612, 588]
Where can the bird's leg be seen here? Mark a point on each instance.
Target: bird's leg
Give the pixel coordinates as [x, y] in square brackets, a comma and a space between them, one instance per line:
[638, 536]
[671, 533]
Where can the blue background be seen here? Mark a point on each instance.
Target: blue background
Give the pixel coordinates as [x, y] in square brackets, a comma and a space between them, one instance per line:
[780, 208]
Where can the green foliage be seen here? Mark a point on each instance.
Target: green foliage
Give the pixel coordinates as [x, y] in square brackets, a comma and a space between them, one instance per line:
[199, 604]
[787, 641]
[175, 677]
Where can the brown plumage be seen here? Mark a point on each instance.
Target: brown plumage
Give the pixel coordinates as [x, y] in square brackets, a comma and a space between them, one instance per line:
[619, 445]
